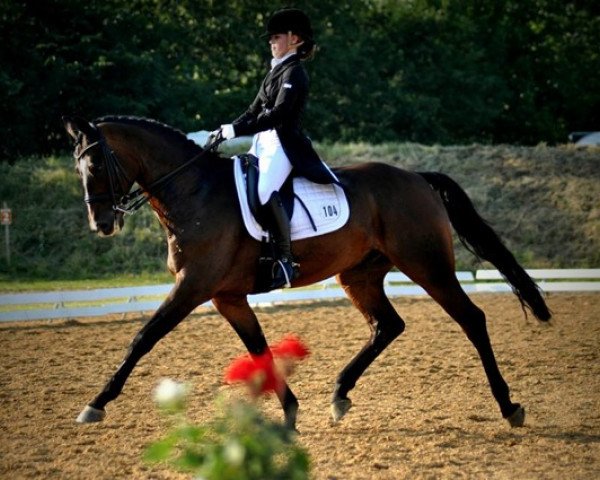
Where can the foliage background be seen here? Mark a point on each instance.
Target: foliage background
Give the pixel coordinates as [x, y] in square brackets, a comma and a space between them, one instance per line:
[428, 71]
[542, 200]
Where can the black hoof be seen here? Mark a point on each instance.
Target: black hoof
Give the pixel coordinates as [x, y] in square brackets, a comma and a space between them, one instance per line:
[517, 418]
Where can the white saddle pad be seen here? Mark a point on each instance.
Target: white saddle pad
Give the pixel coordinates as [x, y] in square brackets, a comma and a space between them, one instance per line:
[327, 205]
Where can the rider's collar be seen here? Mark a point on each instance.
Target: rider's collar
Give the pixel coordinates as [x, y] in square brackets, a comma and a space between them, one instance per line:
[279, 61]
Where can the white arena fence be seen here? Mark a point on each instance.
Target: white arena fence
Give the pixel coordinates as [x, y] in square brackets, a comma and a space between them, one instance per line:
[107, 301]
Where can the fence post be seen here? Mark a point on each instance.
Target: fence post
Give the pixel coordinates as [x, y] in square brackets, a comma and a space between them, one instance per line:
[6, 219]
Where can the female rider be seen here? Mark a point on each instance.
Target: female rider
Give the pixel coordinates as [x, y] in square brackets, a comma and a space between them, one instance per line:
[274, 118]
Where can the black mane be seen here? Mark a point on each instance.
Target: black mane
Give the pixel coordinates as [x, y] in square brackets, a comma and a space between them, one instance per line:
[171, 133]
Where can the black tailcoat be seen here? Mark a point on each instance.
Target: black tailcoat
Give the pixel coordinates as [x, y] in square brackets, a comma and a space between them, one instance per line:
[279, 104]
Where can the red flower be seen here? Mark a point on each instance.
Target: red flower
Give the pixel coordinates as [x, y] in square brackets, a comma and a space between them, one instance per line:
[260, 373]
[256, 371]
[291, 347]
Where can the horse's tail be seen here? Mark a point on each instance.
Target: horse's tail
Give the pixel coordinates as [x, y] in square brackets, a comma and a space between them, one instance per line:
[482, 241]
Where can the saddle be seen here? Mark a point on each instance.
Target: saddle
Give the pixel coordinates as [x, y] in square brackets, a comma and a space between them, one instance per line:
[249, 164]
[314, 209]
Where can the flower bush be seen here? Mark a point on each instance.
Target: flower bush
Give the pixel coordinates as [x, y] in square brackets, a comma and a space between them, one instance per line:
[239, 443]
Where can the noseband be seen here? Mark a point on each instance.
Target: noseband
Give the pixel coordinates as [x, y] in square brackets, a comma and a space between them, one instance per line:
[131, 202]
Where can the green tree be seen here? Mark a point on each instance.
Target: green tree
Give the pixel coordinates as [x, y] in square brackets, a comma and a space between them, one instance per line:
[445, 71]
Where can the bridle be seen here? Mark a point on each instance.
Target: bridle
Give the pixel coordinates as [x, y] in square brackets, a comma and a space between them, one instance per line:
[116, 177]
[130, 202]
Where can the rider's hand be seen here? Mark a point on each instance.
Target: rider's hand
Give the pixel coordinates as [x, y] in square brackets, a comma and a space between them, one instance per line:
[228, 131]
[214, 138]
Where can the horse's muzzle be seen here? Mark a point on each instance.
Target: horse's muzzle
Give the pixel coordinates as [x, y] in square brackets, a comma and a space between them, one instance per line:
[108, 226]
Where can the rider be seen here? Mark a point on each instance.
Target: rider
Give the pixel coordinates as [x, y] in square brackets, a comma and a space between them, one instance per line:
[274, 118]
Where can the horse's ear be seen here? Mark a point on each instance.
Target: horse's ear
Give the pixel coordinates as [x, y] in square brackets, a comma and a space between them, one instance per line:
[77, 125]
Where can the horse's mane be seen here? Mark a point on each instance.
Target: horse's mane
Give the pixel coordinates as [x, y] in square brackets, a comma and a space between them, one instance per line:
[171, 133]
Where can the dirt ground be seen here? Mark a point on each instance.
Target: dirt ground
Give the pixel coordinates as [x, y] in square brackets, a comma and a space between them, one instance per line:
[422, 411]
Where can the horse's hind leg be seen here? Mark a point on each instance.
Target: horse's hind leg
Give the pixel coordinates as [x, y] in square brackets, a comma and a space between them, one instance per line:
[364, 287]
[450, 295]
[243, 320]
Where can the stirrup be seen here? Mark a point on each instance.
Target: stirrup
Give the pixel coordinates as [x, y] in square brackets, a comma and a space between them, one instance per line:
[283, 272]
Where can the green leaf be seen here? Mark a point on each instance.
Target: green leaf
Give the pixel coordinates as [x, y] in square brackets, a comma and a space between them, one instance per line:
[161, 450]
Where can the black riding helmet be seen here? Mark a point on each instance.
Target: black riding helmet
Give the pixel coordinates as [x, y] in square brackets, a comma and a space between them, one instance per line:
[289, 20]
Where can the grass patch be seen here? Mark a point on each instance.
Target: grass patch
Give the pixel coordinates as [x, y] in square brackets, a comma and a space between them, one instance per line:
[12, 286]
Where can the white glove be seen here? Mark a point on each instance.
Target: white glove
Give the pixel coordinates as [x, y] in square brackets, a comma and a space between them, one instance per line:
[228, 131]
[212, 136]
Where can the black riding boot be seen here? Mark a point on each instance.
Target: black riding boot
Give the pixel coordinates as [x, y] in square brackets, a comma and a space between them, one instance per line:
[284, 268]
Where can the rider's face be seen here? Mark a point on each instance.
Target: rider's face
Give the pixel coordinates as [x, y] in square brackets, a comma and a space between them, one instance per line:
[282, 43]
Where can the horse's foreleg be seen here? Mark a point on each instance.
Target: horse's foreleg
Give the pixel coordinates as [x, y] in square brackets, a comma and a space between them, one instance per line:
[243, 320]
[368, 296]
[177, 306]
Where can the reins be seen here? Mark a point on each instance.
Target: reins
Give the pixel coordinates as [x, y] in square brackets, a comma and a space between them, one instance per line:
[133, 201]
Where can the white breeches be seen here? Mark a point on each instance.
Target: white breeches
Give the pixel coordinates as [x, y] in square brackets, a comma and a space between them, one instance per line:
[273, 164]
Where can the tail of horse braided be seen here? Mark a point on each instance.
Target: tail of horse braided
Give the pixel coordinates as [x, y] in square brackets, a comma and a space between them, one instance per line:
[482, 241]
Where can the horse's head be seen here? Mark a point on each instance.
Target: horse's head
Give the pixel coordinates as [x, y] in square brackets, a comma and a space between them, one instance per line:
[103, 178]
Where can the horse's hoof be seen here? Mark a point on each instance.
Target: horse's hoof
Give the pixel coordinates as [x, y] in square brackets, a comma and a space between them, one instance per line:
[290, 424]
[339, 408]
[291, 414]
[517, 419]
[91, 415]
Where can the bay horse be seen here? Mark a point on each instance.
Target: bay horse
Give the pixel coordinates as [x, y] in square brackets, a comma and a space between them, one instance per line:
[398, 219]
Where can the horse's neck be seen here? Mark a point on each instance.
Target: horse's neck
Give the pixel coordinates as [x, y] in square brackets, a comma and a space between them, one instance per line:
[147, 157]
[157, 160]
[194, 197]
[153, 159]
